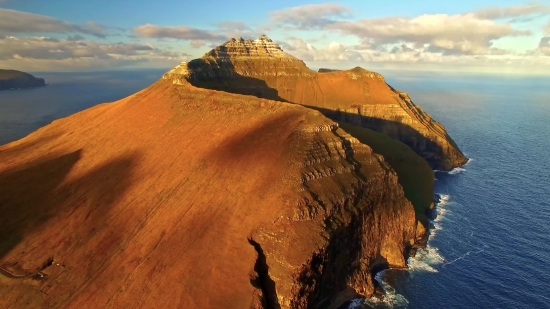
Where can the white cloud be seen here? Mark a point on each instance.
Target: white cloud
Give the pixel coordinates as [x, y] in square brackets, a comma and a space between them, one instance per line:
[333, 52]
[177, 32]
[50, 53]
[341, 56]
[235, 29]
[311, 15]
[197, 43]
[472, 33]
[449, 34]
[547, 28]
[13, 22]
[233, 26]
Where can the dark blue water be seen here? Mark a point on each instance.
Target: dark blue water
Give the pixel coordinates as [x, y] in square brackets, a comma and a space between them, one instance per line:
[491, 247]
[25, 110]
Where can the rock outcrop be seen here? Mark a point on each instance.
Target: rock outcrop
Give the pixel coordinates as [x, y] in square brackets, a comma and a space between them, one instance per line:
[12, 79]
[357, 96]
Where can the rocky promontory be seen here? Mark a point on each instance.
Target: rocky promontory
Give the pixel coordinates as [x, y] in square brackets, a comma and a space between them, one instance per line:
[185, 197]
[12, 79]
[357, 96]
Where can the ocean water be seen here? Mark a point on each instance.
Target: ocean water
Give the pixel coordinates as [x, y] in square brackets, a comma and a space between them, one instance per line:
[491, 243]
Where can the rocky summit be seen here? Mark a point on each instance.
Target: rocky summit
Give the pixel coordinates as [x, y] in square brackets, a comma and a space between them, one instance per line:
[185, 196]
[357, 96]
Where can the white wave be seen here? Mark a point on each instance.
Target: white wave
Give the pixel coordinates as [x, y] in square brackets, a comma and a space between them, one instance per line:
[390, 299]
[465, 255]
[440, 212]
[456, 170]
[443, 198]
[425, 260]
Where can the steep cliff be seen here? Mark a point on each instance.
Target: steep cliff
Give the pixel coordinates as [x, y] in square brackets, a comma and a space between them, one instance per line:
[357, 96]
[180, 197]
[11, 79]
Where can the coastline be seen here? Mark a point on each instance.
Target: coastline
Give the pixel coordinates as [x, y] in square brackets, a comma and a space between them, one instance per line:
[381, 288]
[352, 300]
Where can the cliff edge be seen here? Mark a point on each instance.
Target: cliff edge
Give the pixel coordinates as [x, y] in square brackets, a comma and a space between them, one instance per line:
[12, 79]
[261, 68]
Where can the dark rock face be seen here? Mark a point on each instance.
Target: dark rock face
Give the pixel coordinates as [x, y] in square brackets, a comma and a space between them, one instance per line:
[357, 96]
[11, 79]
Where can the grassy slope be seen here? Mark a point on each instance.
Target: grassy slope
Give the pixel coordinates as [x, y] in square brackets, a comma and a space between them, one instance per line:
[414, 173]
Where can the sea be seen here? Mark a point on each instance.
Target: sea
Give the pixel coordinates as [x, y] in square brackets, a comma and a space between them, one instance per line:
[490, 246]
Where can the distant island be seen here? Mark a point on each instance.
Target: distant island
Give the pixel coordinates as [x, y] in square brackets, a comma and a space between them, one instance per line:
[10, 79]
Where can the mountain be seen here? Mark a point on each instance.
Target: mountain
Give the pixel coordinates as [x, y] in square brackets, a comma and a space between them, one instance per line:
[184, 197]
[357, 96]
[10, 79]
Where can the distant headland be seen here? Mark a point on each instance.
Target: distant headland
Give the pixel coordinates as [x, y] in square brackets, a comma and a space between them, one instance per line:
[12, 79]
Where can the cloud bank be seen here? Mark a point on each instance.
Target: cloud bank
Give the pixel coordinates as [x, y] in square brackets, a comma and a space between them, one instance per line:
[177, 32]
[73, 53]
[473, 38]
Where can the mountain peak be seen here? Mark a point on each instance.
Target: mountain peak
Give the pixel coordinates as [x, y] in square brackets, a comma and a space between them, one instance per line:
[260, 47]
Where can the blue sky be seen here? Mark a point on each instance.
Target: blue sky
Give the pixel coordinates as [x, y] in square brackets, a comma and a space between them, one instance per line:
[478, 36]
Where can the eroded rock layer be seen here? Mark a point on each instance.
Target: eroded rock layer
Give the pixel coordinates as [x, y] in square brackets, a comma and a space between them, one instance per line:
[260, 68]
[179, 197]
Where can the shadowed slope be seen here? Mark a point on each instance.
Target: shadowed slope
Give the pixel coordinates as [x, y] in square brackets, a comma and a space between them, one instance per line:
[414, 174]
[154, 201]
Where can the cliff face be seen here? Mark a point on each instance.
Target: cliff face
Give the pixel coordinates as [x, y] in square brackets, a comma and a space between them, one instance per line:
[180, 197]
[357, 96]
[10, 79]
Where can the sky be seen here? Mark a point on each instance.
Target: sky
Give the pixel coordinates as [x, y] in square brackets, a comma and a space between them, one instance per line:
[484, 36]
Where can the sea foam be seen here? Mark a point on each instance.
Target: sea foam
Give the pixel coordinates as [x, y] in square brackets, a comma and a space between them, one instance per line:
[424, 260]
[390, 299]
[456, 170]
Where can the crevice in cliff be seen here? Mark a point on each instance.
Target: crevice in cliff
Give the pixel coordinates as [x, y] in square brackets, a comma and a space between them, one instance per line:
[346, 144]
[330, 269]
[263, 281]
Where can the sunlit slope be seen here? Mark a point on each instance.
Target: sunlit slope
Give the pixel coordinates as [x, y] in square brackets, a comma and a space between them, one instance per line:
[178, 197]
